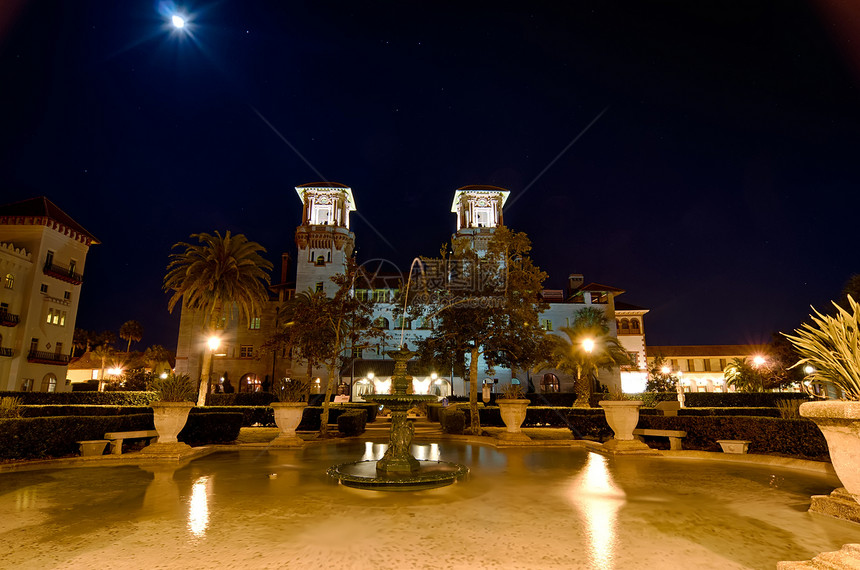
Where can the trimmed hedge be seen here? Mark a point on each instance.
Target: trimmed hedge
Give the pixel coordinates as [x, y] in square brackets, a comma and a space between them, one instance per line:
[352, 422]
[740, 399]
[795, 438]
[54, 410]
[78, 398]
[32, 438]
[205, 427]
[241, 399]
[251, 415]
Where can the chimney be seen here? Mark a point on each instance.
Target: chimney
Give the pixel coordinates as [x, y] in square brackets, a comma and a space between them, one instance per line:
[285, 265]
[574, 282]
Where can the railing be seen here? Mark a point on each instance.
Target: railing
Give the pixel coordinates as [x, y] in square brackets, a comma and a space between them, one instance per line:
[8, 319]
[63, 273]
[42, 357]
[5, 351]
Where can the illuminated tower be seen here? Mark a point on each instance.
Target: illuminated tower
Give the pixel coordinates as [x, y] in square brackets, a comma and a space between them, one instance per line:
[479, 212]
[323, 240]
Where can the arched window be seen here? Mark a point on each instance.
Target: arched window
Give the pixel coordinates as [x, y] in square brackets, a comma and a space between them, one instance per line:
[10, 281]
[49, 382]
[249, 383]
[382, 323]
[634, 325]
[625, 325]
[549, 383]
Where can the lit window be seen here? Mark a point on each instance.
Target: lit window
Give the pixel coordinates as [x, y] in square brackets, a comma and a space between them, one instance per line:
[10, 281]
[63, 319]
[27, 385]
[547, 325]
[50, 315]
[95, 375]
[254, 324]
[246, 351]
[320, 260]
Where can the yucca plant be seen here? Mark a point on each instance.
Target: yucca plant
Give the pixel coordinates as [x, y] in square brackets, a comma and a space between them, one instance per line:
[175, 388]
[512, 392]
[831, 345]
[291, 390]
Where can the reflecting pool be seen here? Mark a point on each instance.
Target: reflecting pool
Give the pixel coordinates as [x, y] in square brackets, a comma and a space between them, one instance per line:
[519, 508]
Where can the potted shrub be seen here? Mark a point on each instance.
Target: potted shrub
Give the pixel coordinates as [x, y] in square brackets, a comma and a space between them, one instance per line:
[288, 410]
[831, 346]
[176, 394]
[512, 404]
[622, 415]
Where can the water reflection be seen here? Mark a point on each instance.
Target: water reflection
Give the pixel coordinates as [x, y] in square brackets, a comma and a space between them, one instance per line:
[198, 508]
[598, 499]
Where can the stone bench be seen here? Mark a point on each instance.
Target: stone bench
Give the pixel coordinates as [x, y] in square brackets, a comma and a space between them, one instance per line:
[117, 437]
[674, 436]
[92, 447]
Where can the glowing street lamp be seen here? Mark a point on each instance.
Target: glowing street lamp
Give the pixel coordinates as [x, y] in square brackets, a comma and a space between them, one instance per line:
[665, 370]
[758, 360]
[588, 345]
[177, 21]
[214, 342]
[808, 369]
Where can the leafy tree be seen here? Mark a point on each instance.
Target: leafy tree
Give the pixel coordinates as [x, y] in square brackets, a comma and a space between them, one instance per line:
[743, 376]
[158, 358]
[131, 331]
[586, 347]
[212, 277]
[81, 341]
[781, 357]
[102, 353]
[324, 330]
[660, 377]
[483, 303]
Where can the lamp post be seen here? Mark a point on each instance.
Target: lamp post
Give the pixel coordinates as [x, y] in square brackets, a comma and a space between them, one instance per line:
[213, 342]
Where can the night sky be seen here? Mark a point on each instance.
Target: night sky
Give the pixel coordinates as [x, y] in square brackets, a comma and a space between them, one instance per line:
[703, 156]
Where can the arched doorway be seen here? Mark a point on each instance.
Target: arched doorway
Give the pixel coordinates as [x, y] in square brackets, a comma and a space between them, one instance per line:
[360, 389]
[250, 383]
[549, 383]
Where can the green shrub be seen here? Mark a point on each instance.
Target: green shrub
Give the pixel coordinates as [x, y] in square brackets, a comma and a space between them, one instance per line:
[751, 411]
[32, 438]
[92, 398]
[452, 420]
[175, 388]
[352, 422]
[789, 409]
[739, 399]
[207, 427]
[311, 419]
[433, 411]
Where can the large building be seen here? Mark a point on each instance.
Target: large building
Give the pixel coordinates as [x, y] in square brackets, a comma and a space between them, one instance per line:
[42, 256]
[324, 243]
[701, 368]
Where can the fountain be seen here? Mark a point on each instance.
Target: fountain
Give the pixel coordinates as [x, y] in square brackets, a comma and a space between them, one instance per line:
[398, 470]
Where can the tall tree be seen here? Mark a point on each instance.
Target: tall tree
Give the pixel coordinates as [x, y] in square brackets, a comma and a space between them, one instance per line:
[660, 377]
[744, 376]
[584, 349]
[484, 303]
[158, 358]
[131, 331]
[214, 276]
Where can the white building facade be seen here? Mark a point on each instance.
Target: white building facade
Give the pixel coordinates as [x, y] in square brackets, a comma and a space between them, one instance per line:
[42, 256]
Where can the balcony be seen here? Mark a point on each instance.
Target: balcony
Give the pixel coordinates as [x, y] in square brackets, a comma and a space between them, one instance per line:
[41, 357]
[63, 273]
[8, 319]
[5, 351]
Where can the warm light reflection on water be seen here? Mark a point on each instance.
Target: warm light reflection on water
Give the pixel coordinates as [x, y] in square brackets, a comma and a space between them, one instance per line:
[422, 452]
[198, 509]
[598, 499]
[25, 499]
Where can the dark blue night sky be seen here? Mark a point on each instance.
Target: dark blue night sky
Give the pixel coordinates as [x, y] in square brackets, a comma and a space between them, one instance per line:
[718, 187]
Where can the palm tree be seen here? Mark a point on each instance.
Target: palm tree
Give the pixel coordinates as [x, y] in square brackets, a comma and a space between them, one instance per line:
[131, 331]
[585, 348]
[157, 357]
[212, 277]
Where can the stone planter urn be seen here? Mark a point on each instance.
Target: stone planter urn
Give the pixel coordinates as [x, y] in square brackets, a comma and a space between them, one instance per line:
[513, 411]
[288, 416]
[170, 418]
[622, 416]
[839, 421]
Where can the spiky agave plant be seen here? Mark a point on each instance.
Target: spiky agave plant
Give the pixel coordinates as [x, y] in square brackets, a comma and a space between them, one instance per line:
[831, 345]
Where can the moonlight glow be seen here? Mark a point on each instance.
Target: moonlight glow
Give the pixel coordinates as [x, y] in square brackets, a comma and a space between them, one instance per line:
[177, 21]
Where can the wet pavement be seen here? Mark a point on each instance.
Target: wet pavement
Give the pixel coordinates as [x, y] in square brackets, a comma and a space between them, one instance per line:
[520, 508]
